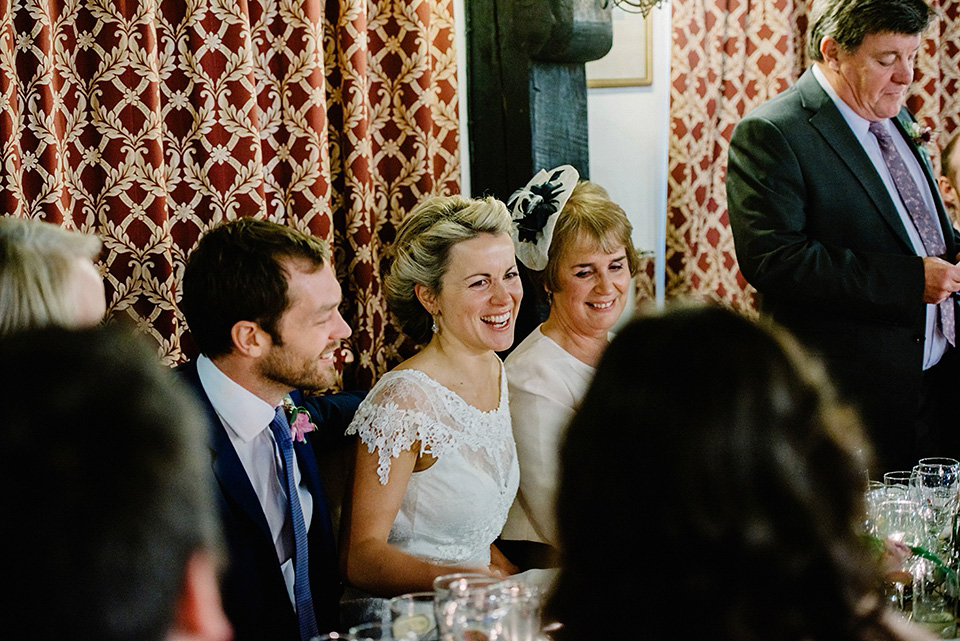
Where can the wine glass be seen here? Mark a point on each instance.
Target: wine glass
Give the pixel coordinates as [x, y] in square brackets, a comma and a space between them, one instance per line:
[938, 490]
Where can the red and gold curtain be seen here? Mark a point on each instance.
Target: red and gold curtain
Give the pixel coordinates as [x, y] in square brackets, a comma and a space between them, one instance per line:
[729, 56]
[148, 121]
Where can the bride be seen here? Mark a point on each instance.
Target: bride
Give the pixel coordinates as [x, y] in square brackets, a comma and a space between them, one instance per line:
[436, 469]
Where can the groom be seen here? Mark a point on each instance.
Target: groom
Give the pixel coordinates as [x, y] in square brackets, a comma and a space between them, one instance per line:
[261, 301]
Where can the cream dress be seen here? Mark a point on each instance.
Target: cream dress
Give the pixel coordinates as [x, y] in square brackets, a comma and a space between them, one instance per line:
[452, 511]
[546, 384]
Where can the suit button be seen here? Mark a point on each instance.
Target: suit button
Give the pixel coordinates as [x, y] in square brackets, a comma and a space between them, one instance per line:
[918, 340]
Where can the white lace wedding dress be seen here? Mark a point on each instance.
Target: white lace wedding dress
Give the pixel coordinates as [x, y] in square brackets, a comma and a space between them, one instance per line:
[453, 510]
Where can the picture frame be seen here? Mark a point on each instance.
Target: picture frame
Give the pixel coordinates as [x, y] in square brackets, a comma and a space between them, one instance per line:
[630, 61]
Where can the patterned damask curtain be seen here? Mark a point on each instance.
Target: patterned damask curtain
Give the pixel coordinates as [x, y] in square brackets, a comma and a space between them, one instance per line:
[935, 95]
[728, 57]
[148, 121]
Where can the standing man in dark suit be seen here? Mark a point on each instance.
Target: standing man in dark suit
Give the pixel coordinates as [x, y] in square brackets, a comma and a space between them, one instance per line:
[262, 300]
[838, 224]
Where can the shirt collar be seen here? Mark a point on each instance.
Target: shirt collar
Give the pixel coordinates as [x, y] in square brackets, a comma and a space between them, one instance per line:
[242, 411]
[859, 124]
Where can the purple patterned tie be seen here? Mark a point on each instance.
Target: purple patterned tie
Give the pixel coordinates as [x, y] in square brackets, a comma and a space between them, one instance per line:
[301, 582]
[921, 216]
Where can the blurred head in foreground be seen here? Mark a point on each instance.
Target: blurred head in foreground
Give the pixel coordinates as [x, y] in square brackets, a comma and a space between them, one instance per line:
[48, 276]
[711, 475]
[105, 476]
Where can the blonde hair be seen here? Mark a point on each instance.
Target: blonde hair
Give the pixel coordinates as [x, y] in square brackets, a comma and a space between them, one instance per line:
[37, 261]
[589, 214]
[421, 252]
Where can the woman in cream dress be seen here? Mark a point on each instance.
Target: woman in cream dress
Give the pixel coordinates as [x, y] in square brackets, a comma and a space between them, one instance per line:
[587, 259]
[436, 469]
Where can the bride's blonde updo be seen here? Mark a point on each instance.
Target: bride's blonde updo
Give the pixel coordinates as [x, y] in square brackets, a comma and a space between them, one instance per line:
[421, 252]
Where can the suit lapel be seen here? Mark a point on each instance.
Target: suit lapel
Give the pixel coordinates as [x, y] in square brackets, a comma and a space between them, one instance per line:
[227, 467]
[828, 120]
[233, 478]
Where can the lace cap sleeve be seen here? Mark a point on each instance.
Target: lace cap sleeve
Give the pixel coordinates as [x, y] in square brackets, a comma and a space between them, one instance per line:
[399, 411]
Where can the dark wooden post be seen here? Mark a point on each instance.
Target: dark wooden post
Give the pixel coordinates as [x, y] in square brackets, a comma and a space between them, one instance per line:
[527, 87]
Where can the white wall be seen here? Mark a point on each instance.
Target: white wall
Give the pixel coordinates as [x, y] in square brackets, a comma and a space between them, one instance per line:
[629, 132]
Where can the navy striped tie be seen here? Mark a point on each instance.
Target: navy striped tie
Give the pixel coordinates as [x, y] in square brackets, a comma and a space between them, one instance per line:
[301, 585]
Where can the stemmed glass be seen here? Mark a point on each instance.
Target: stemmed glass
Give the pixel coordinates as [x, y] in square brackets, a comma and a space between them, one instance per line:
[938, 491]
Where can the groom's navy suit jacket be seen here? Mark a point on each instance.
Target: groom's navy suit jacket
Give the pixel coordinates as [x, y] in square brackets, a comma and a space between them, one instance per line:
[255, 597]
[818, 235]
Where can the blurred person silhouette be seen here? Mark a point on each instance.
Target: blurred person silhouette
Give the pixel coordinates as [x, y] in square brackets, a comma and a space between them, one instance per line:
[747, 478]
[111, 532]
[48, 276]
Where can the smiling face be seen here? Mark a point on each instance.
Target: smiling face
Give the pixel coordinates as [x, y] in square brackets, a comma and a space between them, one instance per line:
[311, 329]
[593, 288]
[479, 295]
[872, 79]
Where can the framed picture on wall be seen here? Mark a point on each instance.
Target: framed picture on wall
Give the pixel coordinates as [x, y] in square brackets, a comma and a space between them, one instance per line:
[630, 61]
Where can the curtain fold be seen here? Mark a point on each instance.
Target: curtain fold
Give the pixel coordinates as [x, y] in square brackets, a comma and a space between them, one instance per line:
[148, 121]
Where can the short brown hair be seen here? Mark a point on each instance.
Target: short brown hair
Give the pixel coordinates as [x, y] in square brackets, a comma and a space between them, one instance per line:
[236, 273]
[590, 214]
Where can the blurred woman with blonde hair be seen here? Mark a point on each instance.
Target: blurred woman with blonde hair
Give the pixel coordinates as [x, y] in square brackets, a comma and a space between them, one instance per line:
[48, 276]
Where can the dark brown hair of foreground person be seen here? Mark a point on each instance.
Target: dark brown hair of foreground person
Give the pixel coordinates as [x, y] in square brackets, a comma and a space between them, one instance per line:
[106, 488]
[710, 484]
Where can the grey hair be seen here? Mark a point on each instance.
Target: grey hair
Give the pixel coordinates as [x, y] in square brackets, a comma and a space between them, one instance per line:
[850, 21]
[421, 253]
[37, 261]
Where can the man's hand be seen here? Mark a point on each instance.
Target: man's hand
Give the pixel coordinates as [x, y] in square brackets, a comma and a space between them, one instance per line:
[940, 279]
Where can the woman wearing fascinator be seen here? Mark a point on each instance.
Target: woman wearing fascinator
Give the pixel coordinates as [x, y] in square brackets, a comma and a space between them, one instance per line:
[579, 241]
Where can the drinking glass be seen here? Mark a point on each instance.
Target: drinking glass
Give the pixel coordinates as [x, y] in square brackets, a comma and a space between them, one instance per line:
[873, 497]
[938, 490]
[935, 597]
[492, 610]
[412, 616]
[451, 593]
[897, 521]
[899, 484]
[522, 604]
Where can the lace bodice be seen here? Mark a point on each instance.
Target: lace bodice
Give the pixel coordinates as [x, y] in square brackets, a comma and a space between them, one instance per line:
[452, 511]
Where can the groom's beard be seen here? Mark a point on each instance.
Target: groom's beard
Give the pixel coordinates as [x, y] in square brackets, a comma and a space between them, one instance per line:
[298, 371]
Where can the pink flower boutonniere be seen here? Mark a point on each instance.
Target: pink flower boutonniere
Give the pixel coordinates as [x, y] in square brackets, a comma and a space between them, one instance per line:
[299, 418]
